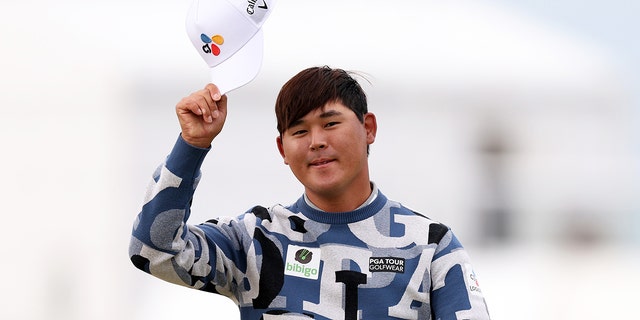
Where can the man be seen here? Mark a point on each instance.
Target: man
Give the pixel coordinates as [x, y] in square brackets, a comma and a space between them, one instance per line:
[341, 251]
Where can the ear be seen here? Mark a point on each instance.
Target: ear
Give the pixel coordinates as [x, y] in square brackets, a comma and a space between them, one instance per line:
[371, 127]
[281, 149]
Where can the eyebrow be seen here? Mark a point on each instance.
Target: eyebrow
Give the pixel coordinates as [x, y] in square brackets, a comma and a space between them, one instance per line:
[330, 113]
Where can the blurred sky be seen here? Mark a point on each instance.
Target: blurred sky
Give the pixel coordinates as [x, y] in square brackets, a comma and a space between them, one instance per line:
[514, 122]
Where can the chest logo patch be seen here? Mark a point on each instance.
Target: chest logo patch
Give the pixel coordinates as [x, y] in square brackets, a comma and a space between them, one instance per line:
[302, 262]
[386, 264]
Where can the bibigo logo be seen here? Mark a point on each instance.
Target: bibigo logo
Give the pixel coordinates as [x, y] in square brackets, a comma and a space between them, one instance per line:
[211, 44]
[303, 262]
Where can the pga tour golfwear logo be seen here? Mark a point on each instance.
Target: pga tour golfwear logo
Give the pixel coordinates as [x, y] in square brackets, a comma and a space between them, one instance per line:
[303, 262]
[211, 44]
[386, 264]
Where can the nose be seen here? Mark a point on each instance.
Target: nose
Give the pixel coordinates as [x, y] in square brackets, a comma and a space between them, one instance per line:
[318, 141]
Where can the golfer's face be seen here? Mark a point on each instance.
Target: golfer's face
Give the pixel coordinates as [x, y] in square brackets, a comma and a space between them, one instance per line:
[327, 149]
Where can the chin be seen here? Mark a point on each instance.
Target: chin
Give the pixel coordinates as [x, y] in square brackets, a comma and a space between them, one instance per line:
[324, 188]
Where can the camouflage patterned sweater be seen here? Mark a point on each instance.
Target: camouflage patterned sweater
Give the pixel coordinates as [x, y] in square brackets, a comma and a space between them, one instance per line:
[381, 261]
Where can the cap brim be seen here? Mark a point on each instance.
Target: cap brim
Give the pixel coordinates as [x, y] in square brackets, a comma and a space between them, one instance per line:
[242, 67]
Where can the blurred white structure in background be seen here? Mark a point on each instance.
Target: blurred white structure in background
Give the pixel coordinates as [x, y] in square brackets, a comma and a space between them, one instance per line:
[520, 135]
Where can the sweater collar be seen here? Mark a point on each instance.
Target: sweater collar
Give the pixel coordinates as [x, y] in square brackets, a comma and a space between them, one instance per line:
[375, 202]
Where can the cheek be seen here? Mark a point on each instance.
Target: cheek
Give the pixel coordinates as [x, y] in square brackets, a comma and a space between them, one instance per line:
[291, 152]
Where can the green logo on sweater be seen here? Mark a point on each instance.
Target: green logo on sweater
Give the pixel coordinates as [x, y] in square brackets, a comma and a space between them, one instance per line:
[302, 262]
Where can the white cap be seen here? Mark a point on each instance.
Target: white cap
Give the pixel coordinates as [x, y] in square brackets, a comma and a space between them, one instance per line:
[228, 36]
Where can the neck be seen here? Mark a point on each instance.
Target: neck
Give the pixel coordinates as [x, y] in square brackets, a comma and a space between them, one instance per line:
[344, 202]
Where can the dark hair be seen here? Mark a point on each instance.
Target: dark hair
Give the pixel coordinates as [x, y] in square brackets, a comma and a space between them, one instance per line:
[313, 88]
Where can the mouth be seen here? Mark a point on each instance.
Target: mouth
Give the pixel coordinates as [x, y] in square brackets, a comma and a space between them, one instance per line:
[320, 162]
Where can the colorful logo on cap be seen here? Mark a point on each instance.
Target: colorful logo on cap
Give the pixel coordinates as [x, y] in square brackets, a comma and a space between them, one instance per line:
[211, 44]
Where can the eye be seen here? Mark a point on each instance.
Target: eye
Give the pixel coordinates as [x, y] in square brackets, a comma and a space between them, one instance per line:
[298, 132]
[331, 124]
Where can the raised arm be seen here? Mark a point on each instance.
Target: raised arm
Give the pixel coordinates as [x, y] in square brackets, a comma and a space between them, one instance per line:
[162, 242]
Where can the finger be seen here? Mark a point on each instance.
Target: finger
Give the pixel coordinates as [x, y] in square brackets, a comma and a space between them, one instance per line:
[213, 91]
[206, 105]
[191, 104]
[214, 94]
[185, 106]
[222, 105]
[201, 104]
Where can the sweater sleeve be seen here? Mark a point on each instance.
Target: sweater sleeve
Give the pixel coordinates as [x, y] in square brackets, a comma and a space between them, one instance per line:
[162, 243]
[455, 291]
